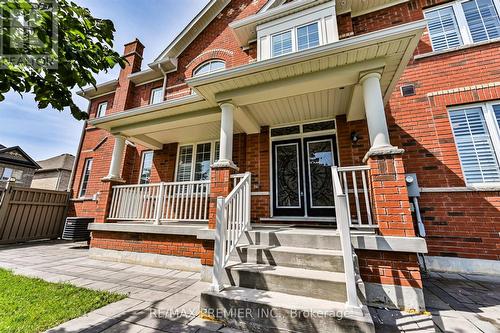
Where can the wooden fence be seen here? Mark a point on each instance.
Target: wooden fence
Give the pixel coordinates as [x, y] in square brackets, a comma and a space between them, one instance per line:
[30, 213]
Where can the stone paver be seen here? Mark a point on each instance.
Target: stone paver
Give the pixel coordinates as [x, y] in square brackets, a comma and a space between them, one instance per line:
[166, 300]
[159, 299]
[460, 303]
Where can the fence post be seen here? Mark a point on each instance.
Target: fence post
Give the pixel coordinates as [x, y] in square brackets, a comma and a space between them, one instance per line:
[219, 247]
[159, 203]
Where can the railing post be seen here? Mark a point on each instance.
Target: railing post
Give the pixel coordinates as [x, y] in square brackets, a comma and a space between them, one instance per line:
[341, 212]
[159, 203]
[219, 247]
[249, 202]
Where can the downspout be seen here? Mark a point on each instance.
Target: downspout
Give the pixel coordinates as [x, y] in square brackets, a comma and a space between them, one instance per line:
[77, 156]
[164, 82]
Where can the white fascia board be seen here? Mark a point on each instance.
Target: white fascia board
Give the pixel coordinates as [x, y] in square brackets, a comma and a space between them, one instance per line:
[99, 90]
[370, 38]
[145, 109]
[186, 30]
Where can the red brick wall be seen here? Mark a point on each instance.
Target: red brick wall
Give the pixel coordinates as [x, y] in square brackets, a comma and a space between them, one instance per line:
[389, 268]
[173, 245]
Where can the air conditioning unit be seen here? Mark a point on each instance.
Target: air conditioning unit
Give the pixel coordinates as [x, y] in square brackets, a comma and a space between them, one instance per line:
[76, 228]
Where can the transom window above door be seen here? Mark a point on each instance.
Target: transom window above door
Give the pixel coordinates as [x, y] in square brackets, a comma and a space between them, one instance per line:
[463, 22]
[194, 160]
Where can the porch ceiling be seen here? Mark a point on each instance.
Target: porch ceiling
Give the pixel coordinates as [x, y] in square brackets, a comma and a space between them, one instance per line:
[318, 74]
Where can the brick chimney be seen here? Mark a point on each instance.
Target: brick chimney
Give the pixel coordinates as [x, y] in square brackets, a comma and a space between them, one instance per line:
[133, 54]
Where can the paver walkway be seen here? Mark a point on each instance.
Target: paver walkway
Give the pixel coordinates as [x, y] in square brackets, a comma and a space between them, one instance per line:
[165, 300]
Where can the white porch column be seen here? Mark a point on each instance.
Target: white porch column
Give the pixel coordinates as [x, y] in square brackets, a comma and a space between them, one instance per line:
[226, 135]
[375, 114]
[116, 159]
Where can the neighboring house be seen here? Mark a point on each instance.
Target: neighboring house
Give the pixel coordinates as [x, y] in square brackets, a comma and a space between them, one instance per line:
[16, 164]
[55, 173]
[286, 90]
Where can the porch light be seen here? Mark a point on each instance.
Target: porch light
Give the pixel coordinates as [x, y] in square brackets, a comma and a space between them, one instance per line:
[354, 137]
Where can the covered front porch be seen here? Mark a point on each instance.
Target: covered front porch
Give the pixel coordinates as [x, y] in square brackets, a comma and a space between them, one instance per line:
[284, 121]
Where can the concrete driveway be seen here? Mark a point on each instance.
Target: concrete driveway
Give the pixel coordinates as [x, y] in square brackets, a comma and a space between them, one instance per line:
[165, 300]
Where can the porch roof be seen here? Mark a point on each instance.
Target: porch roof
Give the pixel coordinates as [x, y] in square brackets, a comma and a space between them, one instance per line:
[318, 83]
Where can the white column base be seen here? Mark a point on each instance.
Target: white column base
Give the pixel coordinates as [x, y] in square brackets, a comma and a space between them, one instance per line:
[384, 150]
[113, 179]
[224, 164]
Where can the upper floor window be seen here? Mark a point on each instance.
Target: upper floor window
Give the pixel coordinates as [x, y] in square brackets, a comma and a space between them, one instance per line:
[194, 161]
[281, 43]
[146, 167]
[476, 129]
[156, 96]
[7, 173]
[209, 67]
[307, 36]
[101, 109]
[87, 167]
[463, 22]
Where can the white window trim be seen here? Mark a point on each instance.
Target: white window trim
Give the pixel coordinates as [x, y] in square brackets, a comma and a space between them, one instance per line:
[213, 144]
[98, 113]
[491, 127]
[463, 27]
[85, 165]
[143, 154]
[294, 37]
[3, 173]
[209, 63]
[153, 93]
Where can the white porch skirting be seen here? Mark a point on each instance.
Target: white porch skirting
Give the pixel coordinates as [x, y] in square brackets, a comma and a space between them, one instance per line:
[462, 265]
[147, 259]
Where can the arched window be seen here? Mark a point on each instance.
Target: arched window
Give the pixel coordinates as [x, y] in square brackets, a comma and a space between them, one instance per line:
[209, 67]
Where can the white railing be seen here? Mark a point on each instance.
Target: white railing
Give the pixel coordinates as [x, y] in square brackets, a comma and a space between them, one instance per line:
[354, 182]
[161, 202]
[343, 226]
[233, 219]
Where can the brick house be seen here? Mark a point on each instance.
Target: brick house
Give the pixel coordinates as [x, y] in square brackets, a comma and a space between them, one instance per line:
[289, 149]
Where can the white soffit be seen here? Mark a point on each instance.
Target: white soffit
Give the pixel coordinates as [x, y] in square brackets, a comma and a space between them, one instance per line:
[389, 48]
[100, 90]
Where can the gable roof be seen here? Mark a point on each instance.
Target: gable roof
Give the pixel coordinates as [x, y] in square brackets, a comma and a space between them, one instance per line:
[16, 152]
[191, 31]
[61, 162]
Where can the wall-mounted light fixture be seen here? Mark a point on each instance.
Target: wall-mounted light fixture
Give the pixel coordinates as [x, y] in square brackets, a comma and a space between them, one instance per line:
[354, 137]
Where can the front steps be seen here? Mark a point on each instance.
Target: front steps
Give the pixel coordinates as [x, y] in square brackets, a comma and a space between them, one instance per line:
[286, 280]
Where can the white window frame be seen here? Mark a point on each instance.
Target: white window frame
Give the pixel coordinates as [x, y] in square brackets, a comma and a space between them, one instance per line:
[213, 144]
[102, 108]
[208, 63]
[3, 173]
[143, 156]
[85, 166]
[294, 37]
[151, 101]
[463, 27]
[491, 127]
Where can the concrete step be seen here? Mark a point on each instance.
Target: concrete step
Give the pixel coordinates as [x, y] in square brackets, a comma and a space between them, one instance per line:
[326, 239]
[307, 258]
[254, 310]
[290, 280]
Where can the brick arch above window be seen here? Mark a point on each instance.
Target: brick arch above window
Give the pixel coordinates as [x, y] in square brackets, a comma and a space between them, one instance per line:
[216, 54]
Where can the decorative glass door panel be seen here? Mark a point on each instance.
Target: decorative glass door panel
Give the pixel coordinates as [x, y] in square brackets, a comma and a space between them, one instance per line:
[319, 157]
[287, 176]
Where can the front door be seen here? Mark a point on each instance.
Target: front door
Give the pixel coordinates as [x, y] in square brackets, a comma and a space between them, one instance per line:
[302, 181]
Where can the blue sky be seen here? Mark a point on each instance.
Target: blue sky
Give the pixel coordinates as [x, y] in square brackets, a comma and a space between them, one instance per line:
[46, 133]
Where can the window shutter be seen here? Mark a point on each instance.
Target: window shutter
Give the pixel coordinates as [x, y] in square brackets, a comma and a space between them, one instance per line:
[482, 19]
[475, 149]
[443, 29]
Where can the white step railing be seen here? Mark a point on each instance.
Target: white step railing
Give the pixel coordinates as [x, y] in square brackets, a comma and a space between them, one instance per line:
[354, 182]
[233, 219]
[344, 229]
[161, 202]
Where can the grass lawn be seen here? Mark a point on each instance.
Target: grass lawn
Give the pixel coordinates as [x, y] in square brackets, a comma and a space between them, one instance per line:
[32, 305]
